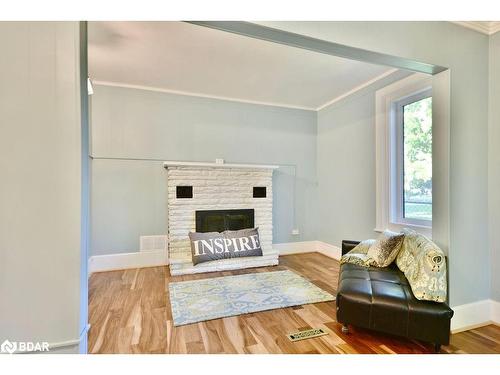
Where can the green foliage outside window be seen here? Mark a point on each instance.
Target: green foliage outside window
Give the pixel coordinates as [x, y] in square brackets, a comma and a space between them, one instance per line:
[418, 159]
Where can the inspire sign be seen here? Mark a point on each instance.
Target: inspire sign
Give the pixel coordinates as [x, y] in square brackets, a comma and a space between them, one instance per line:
[206, 247]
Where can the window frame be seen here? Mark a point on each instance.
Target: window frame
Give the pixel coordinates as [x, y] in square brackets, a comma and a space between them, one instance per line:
[386, 99]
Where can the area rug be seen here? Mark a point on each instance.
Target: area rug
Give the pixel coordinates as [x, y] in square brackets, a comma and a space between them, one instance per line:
[206, 299]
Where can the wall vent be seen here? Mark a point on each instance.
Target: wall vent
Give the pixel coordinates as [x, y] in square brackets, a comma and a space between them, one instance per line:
[259, 192]
[184, 192]
[151, 243]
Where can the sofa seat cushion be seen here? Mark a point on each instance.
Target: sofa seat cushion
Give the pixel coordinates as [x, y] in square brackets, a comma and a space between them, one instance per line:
[381, 299]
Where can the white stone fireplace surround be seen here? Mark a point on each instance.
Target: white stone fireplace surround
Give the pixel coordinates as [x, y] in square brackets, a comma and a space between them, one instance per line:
[217, 186]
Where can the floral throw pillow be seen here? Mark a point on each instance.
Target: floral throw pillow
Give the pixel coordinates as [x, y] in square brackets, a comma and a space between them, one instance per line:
[386, 248]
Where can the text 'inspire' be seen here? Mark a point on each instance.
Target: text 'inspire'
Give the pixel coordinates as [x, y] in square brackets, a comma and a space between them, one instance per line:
[226, 245]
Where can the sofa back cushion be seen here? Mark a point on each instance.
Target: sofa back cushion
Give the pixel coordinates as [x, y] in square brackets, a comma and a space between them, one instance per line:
[424, 265]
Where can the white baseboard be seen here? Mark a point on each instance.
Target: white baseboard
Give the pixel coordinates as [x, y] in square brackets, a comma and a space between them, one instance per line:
[308, 247]
[295, 247]
[495, 312]
[476, 314]
[99, 263]
[72, 346]
[111, 262]
[329, 250]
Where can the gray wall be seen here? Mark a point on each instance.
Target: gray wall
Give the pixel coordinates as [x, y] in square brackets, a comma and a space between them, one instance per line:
[128, 197]
[465, 52]
[494, 163]
[40, 189]
[346, 166]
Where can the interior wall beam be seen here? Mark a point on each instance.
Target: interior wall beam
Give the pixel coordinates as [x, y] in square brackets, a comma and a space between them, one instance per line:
[318, 45]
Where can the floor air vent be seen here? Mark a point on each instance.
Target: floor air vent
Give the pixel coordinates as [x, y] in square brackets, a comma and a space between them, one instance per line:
[307, 334]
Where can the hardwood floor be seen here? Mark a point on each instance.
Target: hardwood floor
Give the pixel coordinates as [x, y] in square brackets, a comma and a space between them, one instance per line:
[129, 312]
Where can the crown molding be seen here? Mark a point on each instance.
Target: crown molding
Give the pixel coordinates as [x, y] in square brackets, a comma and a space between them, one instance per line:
[198, 95]
[317, 109]
[484, 27]
[494, 27]
[357, 88]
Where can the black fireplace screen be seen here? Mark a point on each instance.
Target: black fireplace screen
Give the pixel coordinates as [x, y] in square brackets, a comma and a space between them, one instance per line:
[221, 220]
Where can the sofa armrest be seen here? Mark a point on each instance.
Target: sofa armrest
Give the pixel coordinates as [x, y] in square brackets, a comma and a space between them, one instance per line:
[348, 245]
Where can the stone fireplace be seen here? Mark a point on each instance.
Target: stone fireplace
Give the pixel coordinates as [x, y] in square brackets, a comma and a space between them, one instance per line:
[211, 196]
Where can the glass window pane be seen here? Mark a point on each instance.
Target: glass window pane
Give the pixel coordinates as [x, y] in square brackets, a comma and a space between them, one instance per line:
[417, 153]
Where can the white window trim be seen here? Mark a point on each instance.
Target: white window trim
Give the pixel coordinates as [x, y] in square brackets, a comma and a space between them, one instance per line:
[397, 154]
[384, 121]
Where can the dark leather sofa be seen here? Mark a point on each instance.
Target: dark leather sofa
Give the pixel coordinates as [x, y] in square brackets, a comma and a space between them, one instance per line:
[381, 299]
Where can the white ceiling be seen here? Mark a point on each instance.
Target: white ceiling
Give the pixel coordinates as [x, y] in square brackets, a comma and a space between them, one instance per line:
[189, 59]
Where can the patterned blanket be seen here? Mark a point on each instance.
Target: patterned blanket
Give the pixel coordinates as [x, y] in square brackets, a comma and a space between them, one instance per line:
[424, 265]
[359, 255]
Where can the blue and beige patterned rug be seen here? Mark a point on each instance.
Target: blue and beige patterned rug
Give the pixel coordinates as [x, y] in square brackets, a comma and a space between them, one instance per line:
[199, 300]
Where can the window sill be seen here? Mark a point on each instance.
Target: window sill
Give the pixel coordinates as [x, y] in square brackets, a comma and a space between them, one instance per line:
[398, 227]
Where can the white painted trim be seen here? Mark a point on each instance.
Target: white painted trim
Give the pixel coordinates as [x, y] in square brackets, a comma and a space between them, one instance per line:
[495, 312]
[55, 347]
[471, 314]
[494, 27]
[441, 121]
[199, 95]
[64, 344]
[295, 247]
[384, 153]
[100, 263]
[475, 314]
[329, 250]
[324, 248]
[357, 88]
[484, 27]
[186, 93]
[167, 164]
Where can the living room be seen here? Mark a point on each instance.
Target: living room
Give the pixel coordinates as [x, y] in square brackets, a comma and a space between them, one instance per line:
[243, 187]
[150, 142]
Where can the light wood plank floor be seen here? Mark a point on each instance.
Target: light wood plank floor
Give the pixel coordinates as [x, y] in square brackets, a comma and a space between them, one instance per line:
[129, 312]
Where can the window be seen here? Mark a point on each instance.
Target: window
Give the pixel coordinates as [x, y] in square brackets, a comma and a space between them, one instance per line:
[404, 155]
[413, 172]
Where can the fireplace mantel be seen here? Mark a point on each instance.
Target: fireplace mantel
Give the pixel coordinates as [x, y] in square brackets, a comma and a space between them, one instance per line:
[168, 164]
